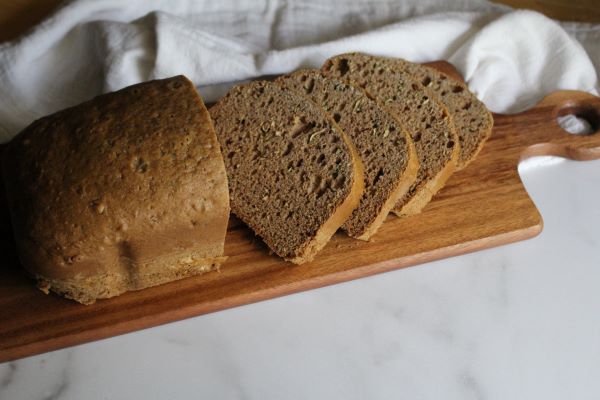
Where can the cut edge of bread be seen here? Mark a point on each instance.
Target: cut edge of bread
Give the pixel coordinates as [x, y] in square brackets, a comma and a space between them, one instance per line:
[484, 139]
[426, 192]
[408, 178]
[455, 77]
[343, 211]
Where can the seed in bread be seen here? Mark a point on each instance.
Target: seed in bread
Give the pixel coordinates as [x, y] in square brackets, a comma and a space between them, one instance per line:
[427, 120]
[120, 193]
[387, 152]
[294, 176]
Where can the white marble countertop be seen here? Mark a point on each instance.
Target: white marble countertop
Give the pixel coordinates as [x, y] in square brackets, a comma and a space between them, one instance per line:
[516, 322]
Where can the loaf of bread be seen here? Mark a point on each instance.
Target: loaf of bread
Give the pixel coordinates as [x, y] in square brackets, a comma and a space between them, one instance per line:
[120, 193]
[426, 119]
[387, 151]
[294, 176]
[472, 119]
[131, 190]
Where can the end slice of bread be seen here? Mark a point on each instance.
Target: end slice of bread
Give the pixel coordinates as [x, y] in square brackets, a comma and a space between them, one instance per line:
[387, 151]
[136, 186]
[295, 177]
[472, 119]
[426, 119]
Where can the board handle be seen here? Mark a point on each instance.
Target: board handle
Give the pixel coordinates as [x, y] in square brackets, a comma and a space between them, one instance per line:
[551, 139]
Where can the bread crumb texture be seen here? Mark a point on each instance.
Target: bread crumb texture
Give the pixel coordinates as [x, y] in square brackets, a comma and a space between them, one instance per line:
[289, 166]
[426, 119]
[386, 150]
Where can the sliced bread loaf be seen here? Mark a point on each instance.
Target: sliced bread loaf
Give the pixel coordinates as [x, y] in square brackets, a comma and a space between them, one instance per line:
[386, 150]
[119, 193]
[295, 177]
[426, 119]
[472, 119]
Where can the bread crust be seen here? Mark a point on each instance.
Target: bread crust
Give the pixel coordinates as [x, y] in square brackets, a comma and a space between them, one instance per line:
[418, 202]
[408, 178]
[119, 193]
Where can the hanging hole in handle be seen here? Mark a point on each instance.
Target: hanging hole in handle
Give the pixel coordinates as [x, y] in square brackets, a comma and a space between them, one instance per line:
[578, 120]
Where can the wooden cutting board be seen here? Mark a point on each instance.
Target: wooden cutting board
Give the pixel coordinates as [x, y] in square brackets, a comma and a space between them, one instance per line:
[484, 205]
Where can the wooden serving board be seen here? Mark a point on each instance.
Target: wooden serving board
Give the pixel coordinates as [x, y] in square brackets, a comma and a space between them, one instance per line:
[484, 205]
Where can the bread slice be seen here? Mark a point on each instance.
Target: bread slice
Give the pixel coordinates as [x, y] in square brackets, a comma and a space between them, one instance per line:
[387, 152]
[426, 119]
[120, 193]
[294, 176]
[472, 119]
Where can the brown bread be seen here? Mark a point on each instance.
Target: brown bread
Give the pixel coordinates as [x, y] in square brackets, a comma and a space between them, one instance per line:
[426, 119]
[386, 150]
[472, 119]
[294, 175]
[120, 193]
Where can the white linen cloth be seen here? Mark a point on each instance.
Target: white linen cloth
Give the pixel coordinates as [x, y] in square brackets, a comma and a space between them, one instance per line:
[510, 59]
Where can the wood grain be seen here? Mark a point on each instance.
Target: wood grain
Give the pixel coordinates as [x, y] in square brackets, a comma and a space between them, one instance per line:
[565, 10]
[17, 16]
[482, 206]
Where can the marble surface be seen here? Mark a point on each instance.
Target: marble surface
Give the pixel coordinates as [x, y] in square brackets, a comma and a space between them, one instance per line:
[515, 322]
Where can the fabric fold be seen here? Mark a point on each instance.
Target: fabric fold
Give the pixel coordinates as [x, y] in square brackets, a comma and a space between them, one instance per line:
[510, 59]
